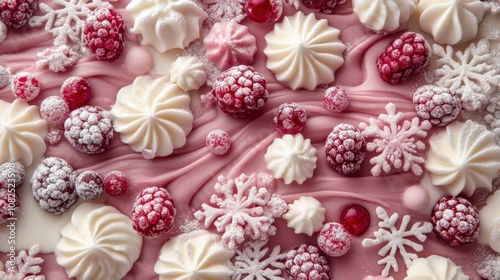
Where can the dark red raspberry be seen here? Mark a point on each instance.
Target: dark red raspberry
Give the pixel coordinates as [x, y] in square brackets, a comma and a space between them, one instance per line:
[16, 13]
[403, 57]
[324, 6]
[11, 174]
[218, 142]
[307, 262]
[25, 86]
[76, 91]
[356, 219]
[345, 149]
[438, 105]
[455, 220]
[290, 118]
[89, 185]
[263, 11]
[54, 110]
[240, 91]
[9, 204]
[115, 183]
[104, 30]
[89, 129]
[334, 239]
[153, 212]
[53, 184]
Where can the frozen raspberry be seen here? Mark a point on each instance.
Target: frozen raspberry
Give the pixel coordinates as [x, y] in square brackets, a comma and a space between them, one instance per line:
[403, 57]
[9, 204]
[307, 262]
[16, 13]
[334, 239]
[25, 86]
[54, 134]
[54, 110]
[89, 185]
[335, 99]
[240, 91]
[290, 118]
[11, 175]
[89, 129]
[455, 220]
[153, 212]
[438, 105]
[356, 219]
[324, 6]
[76, 91]
[263, 11]
[115, 183]
[104, 30]
[53, 184]
[345, 149]
[218, 142]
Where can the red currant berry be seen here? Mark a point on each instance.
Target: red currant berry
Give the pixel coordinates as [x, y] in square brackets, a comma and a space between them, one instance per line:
[76, 92]
[356, 219]
[115, 183]
[334, 239]
[25, 86]
[335, 99]
[218, 142]
[290, 118]
[263, 11]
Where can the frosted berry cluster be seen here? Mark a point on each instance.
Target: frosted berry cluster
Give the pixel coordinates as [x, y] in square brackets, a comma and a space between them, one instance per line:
[334, 239]
[307, 262]
[104, 30]
[438, 105]
[16, 13]
[345, 149]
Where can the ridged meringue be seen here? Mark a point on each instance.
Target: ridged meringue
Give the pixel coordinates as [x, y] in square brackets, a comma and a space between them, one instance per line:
[152, 116]
[22, 132]
[291, 158]
[304, 52]
[434, 267]
[450, 21]
[188, 73]
[305, 215]
[98, 243]
[229, 44]
[166, 24]
[462, 158]
[383, 15]
[194, 256]
[489, 217]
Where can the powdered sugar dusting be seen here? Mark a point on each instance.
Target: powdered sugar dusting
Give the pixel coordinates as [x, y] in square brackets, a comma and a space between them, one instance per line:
[58, 58]
[26, 263]
[5, 75]
[3, 31]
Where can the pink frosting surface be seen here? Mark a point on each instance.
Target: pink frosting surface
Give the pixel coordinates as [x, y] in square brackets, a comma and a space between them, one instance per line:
[190, 173]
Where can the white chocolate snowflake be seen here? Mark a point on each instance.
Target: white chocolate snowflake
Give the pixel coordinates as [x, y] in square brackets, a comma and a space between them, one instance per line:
[26, 263]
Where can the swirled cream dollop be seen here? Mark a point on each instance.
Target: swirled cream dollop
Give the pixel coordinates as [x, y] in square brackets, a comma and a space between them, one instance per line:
[291, 158]
[98, 243]
[197, 255]
[305, 215]
[489, 217]
[152, 116]
[22, 132]
[434, 267]
[450, 22]
[304, 52]
[166, 24]
[188, 73]
[462, 158]
[383, 15]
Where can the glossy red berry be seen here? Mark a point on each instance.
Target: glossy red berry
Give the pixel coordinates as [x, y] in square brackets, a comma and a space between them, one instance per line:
[356, 219]
[76, 91]
[115, 183]
[290, 118]
[263, 11]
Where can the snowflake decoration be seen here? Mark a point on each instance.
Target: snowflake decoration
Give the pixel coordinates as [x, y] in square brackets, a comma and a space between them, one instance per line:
[26, 263]
[397, 143]
[469, 73]
[396, 239]
[243, 209]
[57, 59]
[225, 10]
[492, 6]
[489, 268]
[251, 262]
[492, 116]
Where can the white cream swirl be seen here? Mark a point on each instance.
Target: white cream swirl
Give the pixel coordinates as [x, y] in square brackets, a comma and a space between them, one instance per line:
[188, 73]
[434, 267]
[304, 52]
[291, 158]
[462, 158]
[305, 215]
[194, 256]
[98, 243]
[489, 217]
[383, 15]
[152, 116]
[22, 133]
[450, 22]
[166, 24]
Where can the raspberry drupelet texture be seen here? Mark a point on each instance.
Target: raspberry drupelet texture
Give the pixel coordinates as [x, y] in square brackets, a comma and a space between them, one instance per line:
[89, 129]
[263, 11]
[324, 6]
[334, 239]
[335, 99]
[218, 142]
[76, 91]
[345, 149]
[438, 105]
[25, 86]
[153, 212]
[104, 30]
[11, 173]
[307, 262]
[115, 183]
[406, 55]
[16, 13]
[54, 110]
[89, 185]
[9, 204]
[290, 118]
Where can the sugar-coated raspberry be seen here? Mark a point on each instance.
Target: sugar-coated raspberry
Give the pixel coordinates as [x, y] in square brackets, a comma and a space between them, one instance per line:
[345, 149]
[9, 204]
[438, 105]
[25, 86]
[54, 110]
[12, 174]
[263, 11]
[290, 118]
[307, 262]
[5, 75]
[104, 29]
[53, 184]
[335, 99]
[406, 55]
[115, 183]
[356, 219]
[153, 212]
[334, 239]
[89, 185]
[89, 129]
[324, 6]
[16, 13]
[239, 91]
[54, 134]
[218, 142]
[76, 91]
[455, 220]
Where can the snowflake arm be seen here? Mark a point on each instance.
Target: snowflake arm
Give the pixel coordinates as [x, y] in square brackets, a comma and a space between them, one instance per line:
[25, 264]
[226, 10]
[251, 263]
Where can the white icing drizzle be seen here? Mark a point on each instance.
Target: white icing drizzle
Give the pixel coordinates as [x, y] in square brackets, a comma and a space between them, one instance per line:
[383, 15]
[188, 73]
[489, 217]
[434, 268]
[305, 215]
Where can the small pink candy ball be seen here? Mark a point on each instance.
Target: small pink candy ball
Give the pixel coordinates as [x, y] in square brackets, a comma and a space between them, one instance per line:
[415, 198]
[138, 61]
[335, 99]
